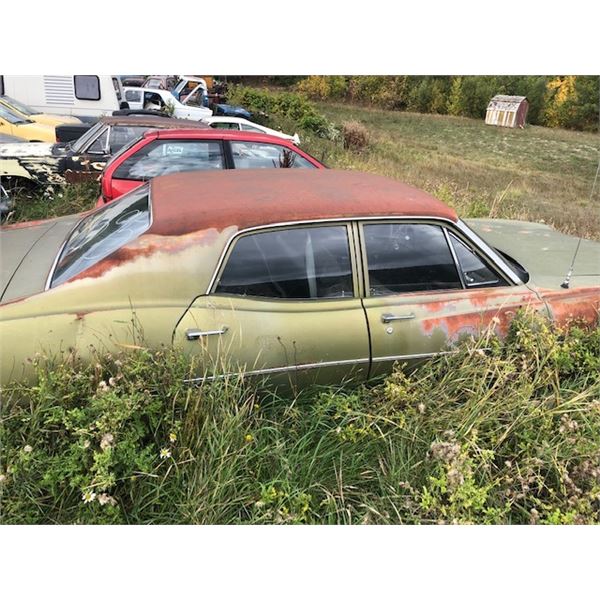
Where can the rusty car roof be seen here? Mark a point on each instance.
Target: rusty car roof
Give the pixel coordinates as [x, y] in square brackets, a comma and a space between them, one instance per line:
[187, 202]
[150, 120]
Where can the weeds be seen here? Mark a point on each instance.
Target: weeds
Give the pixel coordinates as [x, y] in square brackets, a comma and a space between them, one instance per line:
[510, 434]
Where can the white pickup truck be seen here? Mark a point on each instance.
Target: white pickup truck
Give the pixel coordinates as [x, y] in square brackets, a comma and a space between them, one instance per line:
[140, 98]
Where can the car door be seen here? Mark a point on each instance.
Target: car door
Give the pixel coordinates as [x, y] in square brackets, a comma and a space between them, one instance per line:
[426, 287]
[160, 157]
[285, 303]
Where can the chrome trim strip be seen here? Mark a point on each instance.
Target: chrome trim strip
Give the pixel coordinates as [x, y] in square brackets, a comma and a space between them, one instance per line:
[412, 356]
[275, 370]
[457, 266]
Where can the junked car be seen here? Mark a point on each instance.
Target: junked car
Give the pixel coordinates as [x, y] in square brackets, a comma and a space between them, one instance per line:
[35, 115]
[27, 165]
[161, 152]
[17, 125]
[304, 276]
[239, 124]
[157, 99]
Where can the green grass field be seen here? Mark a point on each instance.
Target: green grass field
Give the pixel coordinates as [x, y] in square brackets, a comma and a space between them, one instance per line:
[533, 174]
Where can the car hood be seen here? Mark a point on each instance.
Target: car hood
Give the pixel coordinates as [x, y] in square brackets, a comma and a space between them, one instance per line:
[544, 252]
[28, 251]
[25, 149]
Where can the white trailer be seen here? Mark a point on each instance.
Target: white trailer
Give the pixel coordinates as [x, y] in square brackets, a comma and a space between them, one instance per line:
[86, 96]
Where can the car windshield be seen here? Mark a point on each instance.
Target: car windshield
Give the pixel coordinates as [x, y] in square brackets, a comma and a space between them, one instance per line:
[12, 117]
[79, 144]
[101, 233]
[16, 105]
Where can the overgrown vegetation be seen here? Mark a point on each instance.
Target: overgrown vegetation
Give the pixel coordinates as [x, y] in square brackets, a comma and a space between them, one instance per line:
[510, 434]
[565, 101]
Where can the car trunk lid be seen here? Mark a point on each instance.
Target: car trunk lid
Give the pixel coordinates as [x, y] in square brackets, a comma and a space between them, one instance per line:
[28, 252]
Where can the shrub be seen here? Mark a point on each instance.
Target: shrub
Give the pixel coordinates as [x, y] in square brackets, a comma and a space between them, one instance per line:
[355, 135]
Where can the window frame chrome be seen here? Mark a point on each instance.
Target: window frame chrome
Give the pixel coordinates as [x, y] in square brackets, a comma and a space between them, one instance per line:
[358, 256]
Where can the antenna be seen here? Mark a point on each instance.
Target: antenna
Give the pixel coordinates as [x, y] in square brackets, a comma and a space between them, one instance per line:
[567, 281]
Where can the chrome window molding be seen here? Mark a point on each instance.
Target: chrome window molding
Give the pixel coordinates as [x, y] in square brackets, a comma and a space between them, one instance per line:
[492, 256]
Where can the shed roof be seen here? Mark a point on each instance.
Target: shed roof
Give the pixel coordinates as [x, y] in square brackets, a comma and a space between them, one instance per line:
[187, 202]
[502, 102]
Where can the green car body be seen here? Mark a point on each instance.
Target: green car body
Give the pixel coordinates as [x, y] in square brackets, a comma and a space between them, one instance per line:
[166, 276]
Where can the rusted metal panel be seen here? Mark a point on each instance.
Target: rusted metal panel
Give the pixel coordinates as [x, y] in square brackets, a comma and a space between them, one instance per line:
[185, 202]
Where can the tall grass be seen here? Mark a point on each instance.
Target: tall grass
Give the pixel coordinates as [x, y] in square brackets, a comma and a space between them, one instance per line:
[499, 432]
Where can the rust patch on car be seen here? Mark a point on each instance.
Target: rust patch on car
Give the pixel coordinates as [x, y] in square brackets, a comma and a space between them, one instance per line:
[578, 304]
[145, 246]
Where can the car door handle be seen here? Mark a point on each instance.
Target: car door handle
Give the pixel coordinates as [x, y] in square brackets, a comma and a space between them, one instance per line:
[388, 317]
[196, 334]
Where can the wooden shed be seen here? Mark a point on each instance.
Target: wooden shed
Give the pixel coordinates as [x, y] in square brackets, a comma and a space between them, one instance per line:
[507, 111]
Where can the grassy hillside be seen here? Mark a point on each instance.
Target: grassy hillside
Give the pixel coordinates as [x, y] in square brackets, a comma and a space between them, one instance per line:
[534, 174]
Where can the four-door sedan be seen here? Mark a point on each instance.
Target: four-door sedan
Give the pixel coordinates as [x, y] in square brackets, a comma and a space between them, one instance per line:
[302, 275]
[161, 152]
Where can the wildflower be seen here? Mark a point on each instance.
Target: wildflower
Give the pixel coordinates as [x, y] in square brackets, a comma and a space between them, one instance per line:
[172, 437]
[480, 351]
[106, 499]
[165, 453]
[102, 387]
[27, 449]
[112, 382]
[88, 497]
[2, 477]
[445, 451]
[107, 441]
[248, 438]
[508, 463]
[421, 407]
[86, 444]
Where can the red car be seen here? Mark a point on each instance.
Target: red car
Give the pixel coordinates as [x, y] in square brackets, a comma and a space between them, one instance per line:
[162, 152]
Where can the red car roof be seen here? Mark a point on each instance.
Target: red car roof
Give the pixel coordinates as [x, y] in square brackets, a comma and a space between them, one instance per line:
[187, 202]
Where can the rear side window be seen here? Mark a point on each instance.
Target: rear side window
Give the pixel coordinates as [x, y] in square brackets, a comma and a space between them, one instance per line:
[87, 87]
[296, 263]
[257, 155]
[160, 157]
[101, 233]
[408, 258]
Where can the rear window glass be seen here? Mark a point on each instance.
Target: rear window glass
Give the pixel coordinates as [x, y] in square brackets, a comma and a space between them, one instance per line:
[103, 232]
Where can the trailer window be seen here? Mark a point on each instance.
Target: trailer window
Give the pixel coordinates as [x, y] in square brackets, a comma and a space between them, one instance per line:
[87, 87]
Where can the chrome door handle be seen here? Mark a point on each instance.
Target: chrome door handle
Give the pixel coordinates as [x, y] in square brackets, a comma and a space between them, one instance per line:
[195, 334]
[388, 317]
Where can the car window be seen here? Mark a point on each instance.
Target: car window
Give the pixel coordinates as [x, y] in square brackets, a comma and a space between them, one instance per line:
[220, 125]
[103, 232]
[160, 157]
[133, 95]
[308, 262]
[408, 258]
[121, 135]
[475, 272]
[250, 128]
[258, 155]
[12, 117]
[99, 145]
